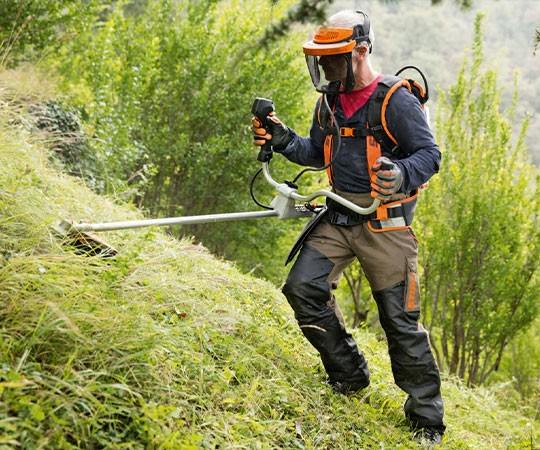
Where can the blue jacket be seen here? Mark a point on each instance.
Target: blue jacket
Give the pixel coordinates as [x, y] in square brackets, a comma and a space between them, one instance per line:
[420, 156]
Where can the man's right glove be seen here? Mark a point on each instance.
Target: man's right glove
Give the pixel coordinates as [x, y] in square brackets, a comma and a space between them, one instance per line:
[277, 134]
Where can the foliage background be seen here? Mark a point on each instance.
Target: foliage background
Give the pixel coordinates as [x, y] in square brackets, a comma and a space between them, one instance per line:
[434, 38]
[163, 91]
[170, 116]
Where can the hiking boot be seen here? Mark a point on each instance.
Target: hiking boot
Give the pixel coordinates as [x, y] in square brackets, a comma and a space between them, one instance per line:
[428, 437]
[346, 387]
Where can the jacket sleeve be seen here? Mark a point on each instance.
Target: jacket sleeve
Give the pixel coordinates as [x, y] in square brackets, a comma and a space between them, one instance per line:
[307, 151]
[408, 124]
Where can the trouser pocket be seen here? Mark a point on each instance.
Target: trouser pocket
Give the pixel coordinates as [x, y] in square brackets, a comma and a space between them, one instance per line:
[412, 287]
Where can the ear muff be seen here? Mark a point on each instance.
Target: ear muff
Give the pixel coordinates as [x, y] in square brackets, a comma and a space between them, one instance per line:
[361, 31]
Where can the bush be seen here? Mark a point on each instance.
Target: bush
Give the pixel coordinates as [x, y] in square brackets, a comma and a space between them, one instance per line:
[28, 27]
[480, 229]
[68, 141]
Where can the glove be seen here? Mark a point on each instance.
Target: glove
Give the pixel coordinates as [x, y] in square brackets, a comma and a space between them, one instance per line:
[277, 134]
[386, 180]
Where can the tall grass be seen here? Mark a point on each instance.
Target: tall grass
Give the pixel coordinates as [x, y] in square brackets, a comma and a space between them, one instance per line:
[165, 346]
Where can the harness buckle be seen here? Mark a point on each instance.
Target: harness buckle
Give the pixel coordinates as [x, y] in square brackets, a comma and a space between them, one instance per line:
[346, 132]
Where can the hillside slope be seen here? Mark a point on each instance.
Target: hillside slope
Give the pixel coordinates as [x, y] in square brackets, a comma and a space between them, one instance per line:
[166, 346]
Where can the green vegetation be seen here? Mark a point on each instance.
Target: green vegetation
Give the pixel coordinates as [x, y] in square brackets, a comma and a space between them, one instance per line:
[166, 93]
[480, 283]
[165, 346]
[31, 27]
[147, 103]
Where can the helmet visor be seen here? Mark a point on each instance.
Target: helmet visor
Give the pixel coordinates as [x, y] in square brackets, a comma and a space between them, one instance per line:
[314, 72]
[328, 72]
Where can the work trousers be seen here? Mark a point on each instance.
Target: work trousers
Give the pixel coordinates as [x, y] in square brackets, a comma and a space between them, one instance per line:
[389, 261]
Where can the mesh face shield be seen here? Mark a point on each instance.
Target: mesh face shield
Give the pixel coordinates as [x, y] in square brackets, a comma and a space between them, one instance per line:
[332, 76]
[329, 56]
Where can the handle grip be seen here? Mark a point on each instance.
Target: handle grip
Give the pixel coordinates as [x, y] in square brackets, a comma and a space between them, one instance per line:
[261, 109]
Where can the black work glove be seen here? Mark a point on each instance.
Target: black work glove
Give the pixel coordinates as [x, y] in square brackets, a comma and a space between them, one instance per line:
[277, 133]
[386, 180]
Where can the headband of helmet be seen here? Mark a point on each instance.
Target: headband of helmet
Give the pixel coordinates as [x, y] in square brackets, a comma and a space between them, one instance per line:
[336, 41]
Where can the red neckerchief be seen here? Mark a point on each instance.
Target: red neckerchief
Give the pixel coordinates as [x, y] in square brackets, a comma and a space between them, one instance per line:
[353, 101]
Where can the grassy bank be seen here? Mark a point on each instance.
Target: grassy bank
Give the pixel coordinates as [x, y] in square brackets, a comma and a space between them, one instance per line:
[166, 346]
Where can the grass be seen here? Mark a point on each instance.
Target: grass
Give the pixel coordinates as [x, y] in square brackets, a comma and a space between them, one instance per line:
[166, 346]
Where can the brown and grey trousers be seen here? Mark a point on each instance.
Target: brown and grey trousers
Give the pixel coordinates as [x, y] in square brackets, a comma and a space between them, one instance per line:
[389, 261]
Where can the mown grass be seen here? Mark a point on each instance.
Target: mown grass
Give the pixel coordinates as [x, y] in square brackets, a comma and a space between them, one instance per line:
[166, 346]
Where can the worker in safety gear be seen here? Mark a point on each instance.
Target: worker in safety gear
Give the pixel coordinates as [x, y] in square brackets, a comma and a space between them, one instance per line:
[361, 169]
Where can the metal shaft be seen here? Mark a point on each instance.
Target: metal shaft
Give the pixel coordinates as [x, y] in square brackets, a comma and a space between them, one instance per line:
[188, 220]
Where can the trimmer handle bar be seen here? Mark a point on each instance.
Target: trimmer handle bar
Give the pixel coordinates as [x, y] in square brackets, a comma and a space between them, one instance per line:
[290, 192]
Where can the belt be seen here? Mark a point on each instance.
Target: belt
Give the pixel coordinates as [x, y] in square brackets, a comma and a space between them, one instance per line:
[343, 216]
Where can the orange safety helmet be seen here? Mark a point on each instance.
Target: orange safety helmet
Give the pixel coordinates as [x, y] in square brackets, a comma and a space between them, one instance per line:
[335, 41]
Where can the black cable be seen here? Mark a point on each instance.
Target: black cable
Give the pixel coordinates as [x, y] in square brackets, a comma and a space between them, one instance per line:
[421, 74]
[252, 182]
[338, 139]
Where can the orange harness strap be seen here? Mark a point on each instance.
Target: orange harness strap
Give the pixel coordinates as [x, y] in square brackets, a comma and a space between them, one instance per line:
[373, 151]
[328, 150]
[389, 94]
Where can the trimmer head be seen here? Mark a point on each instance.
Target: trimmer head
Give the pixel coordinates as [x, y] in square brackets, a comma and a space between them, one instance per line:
[83, 242]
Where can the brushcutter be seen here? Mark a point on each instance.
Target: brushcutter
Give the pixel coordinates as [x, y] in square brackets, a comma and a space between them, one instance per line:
[283, 206]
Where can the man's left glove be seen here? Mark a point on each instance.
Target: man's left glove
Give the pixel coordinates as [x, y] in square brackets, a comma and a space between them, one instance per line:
[277, 133]
[386, 180]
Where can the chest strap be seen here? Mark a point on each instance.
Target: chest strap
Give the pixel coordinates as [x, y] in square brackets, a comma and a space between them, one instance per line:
[373, 148]
[347, 132]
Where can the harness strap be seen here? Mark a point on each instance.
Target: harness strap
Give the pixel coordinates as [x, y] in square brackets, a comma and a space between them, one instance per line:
[386, 100]
[347, 132]
[328, 153]
[403, 208]
[373, 151]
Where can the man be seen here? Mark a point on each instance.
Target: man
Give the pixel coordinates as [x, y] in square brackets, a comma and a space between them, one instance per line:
[383, 242]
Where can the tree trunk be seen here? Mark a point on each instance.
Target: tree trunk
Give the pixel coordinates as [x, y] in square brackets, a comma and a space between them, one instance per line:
[355, 285]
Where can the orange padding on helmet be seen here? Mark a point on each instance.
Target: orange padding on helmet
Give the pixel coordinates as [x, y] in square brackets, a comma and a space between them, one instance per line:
[313, 49]
[331, 35]
[330, 41]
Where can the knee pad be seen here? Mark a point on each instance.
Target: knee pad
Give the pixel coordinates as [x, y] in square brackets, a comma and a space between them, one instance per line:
[307, 289]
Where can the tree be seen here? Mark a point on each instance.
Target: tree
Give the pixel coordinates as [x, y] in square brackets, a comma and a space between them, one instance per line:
[480, 228]
[356, 284]
[27, 25]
